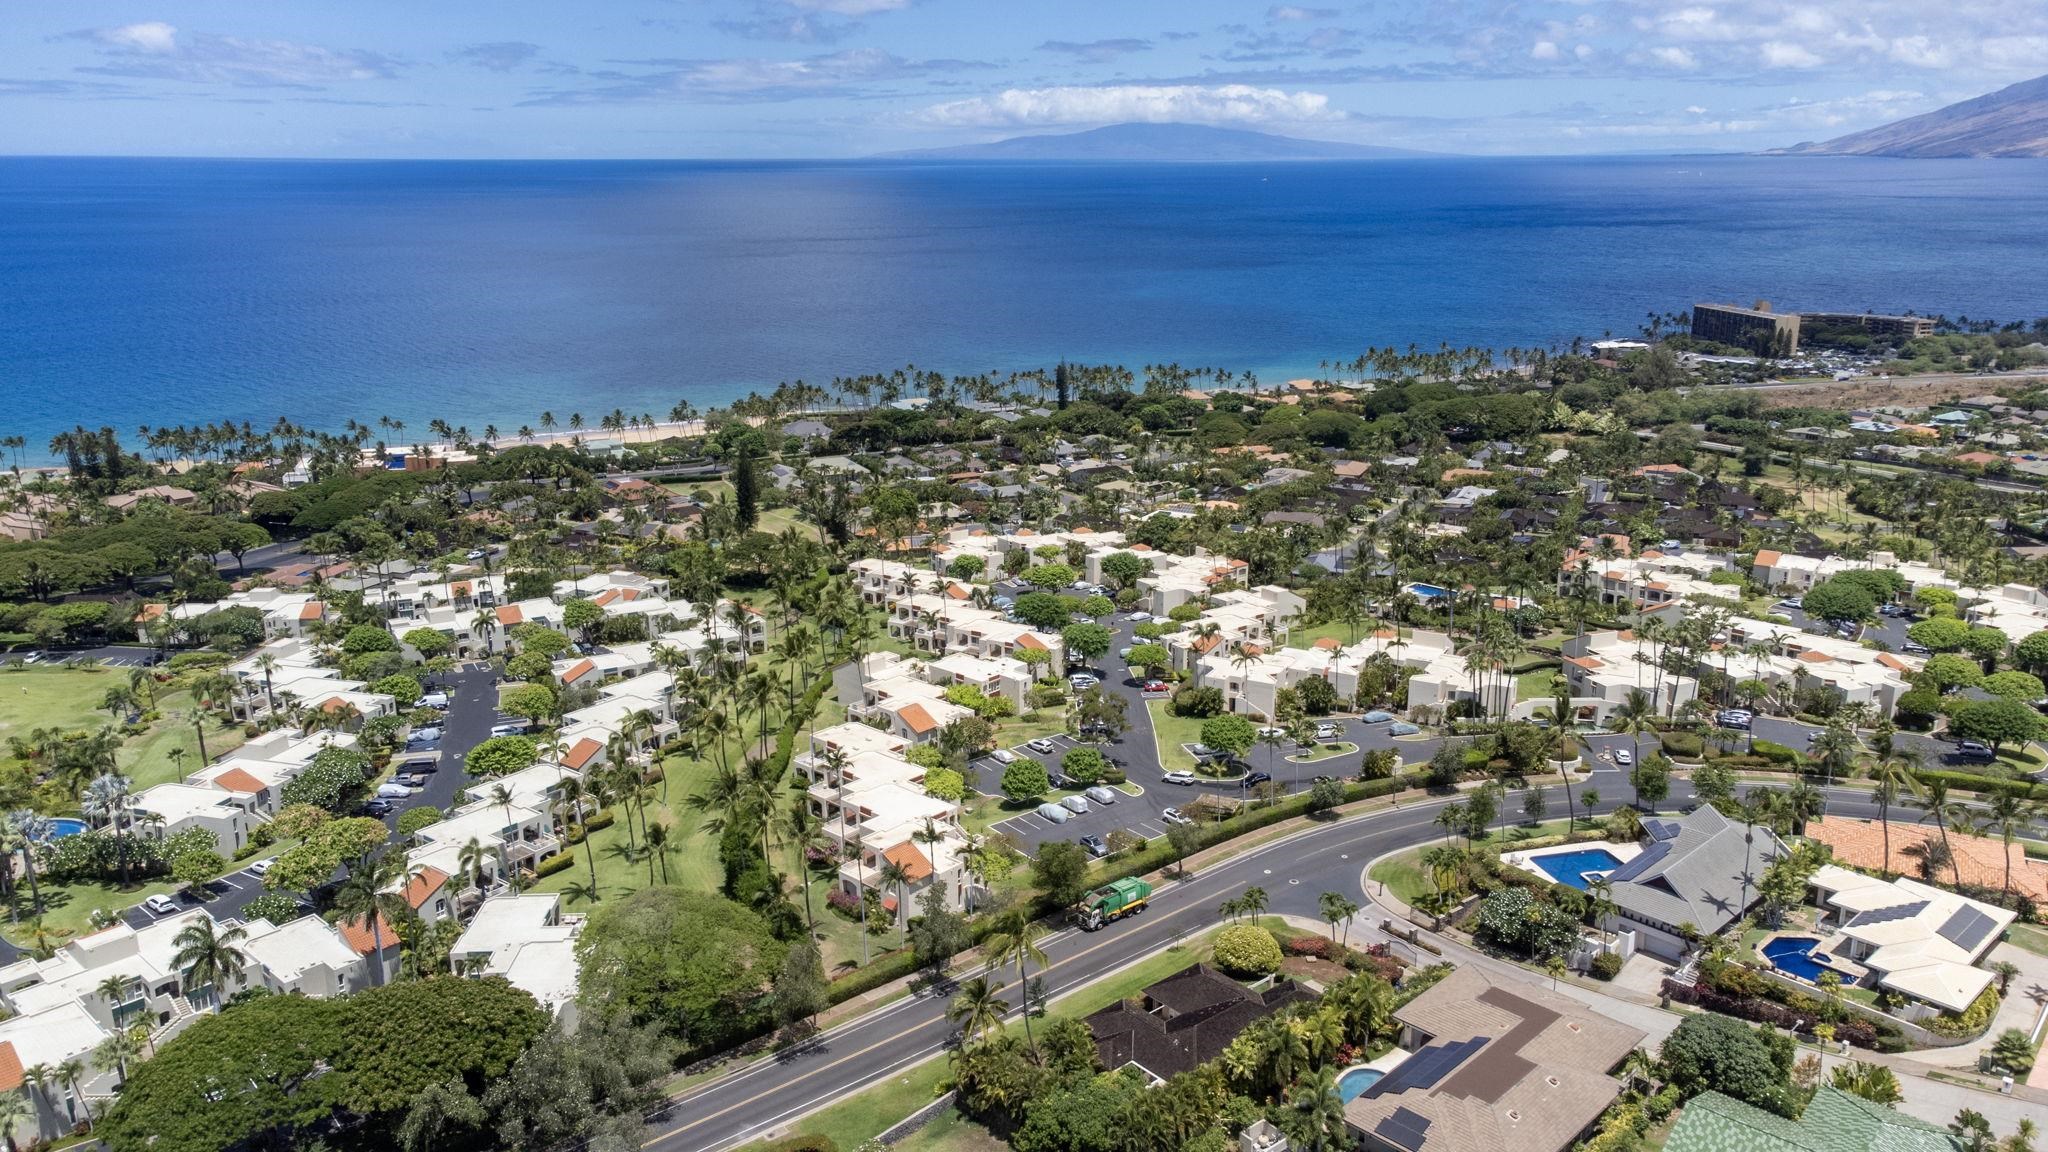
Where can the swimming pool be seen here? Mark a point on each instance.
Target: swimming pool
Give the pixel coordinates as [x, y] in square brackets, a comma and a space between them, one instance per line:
[1353, 1083]
[1427, 591]
[1571, 867]
[62, 826]
[1793, 955]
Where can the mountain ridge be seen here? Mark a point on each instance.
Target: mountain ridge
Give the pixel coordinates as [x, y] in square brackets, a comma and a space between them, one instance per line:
[2009, 123]
[1162, 143]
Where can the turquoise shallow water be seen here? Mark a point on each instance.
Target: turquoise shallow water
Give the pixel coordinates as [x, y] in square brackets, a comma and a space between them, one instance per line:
[165, 291]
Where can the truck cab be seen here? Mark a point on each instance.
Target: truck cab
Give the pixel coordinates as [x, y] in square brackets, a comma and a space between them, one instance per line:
[1113, 901]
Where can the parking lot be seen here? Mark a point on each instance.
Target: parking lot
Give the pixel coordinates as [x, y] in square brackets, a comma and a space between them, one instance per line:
[111, 656]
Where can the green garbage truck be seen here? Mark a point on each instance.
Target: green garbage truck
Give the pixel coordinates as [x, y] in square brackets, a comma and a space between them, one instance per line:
[1113, 901]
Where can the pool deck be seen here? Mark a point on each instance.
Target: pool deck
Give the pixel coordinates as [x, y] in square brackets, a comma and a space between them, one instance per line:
[1526, 861]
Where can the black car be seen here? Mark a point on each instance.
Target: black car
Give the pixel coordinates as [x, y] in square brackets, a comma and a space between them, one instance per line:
[377, 808]
[1255, 779]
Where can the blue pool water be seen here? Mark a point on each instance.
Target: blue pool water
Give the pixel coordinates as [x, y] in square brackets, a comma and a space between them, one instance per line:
[1571, 867]
[1353, 1083]
[1426, 591]
[1793, 955]
[62, 826]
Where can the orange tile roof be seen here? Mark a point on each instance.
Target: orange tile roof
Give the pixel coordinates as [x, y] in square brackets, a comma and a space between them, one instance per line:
[10, 1067]
[919, 720]
[1027, 640]
[580, 755]
[313, 610]
[459, 588]
[629, 594]
[510, 614]
[578, 671]
[1587, 662]
[333, 704]
[1768, 557]
[956, 592]
[1202, 645]
[359, 937]
[912, 861]
[1982, 858]
[1141, 548]
[1328, 644]
[1812, 657]
[1893, 662]
[605, 597]
[423, 884]
[238, 780]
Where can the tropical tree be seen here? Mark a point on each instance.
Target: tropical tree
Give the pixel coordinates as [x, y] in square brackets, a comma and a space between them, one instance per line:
[1636, 715]
[1337, 908]
[363, 897]
[208, 956]
[1897, 776]
[977, 1009]
[1015, 939]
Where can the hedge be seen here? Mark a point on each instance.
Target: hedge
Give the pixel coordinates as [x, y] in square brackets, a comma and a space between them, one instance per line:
[1773, 752]
[1685, 744]
[1971, 782]
[554, 864]
[1853, 1029]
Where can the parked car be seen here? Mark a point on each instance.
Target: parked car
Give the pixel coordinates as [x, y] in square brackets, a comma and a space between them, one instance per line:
[1913, 649]
[1971, 750]
[1095, 846]
[1124, 653]
[1254, 779]
[1203, 752]
[1053, 812]
[1270, 730]
[393, 791]
[1624, 757]
[378, 808]
[1140, 617]
[1328, 732]
[423, 735]
[1075, 804]
[475, 554]
[1183, 778]
[1101, 794]
[438, 701]
[1059, 780]
[1082, 681]
[508, 729]
[1158, 686]
[1042, 746]
[1174, 816]
[261, 868]
[1003, 602]
[1377, 718]
[1003, 756]
[160, 904]
[1403, 728]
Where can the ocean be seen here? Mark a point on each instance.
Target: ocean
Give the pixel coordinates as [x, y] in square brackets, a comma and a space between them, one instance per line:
[148, 291]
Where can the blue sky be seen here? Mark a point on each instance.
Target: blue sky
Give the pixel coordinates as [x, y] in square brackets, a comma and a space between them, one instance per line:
[821, 78]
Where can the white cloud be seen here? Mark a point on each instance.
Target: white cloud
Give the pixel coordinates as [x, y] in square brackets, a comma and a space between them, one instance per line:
[1293, 14]
[1675, 57]
[852, 7]
[1780, 54]
[1155, 104]
[1583, 51]
[1543, 50]
[152, 36]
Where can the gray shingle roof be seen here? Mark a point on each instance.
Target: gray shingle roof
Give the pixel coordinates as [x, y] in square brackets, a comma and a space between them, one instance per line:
[1695, 877]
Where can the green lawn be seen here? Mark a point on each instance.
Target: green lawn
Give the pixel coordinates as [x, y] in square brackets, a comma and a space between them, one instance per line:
[68, 698]
[1014, 730]
[1405, 876]
[1171, 732]
[68, 908]
[1324, 752]
[951, 1132]
[2032, 939]
[1535, 683]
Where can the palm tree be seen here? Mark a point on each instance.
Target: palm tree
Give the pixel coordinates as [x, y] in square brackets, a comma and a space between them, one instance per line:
[1337, 908]
[658, 848]
[107, 798]
[1015, 937]
[207, 956]
[576, 891]
[1318, 1113]
[2009, 814]
[1897, 776]
[1944, 810]
[1835, 748]
[894, 874]
[977, 1009]
[1635, 716]
[67, 1074]
[470, 858]
[115, 990]
[114, 1054]
[17, 1114]
[26, 827]
[362, 897]
[803, 832]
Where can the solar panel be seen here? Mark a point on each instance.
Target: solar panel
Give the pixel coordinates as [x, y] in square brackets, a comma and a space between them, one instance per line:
[1662, 829]
[1887, 915]
[1967, 928]
[1404, 1128]
[1636, 867]
[1426, 1067]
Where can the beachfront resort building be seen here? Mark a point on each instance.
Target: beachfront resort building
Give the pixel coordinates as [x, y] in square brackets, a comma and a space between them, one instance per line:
[876, 812]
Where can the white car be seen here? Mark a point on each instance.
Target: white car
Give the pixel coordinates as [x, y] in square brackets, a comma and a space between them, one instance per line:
[1328, 732]
[1003, 756]
[1054, 813]
[160, 905]
[475, 554]
[1624, 757]
[1140, 617]
[393, 791]
[508, 730]
[1075, 804]
[1042, 746]
[1185, 779]
[1101, 795]
[1270, 730]
[1174, 816]
[1082, 681]
[261, 868]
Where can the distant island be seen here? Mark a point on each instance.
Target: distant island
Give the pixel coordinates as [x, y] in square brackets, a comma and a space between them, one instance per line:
[1166, 143]
[2011, 122]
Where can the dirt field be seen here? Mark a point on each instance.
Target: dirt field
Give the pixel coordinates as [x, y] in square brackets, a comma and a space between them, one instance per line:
[1907, 390]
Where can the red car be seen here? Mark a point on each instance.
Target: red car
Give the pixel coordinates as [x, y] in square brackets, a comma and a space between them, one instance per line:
[1156, 686]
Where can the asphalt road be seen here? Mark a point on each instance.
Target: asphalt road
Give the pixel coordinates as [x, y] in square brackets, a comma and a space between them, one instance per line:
[767, 1098]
